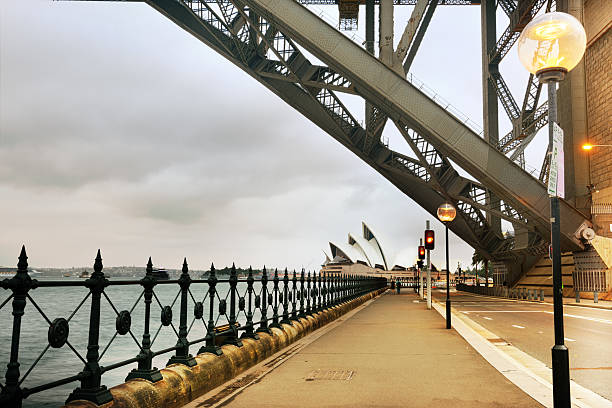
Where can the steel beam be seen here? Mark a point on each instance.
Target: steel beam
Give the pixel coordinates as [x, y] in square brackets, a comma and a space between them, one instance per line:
[402, 101]
[393, 96]
[489, 96]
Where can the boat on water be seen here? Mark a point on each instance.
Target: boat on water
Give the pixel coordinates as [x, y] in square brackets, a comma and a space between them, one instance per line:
[67, 274]
[84, 274]
[160, 274]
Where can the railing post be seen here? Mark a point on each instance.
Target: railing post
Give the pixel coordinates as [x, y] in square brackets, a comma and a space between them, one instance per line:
[335, 290]
[211, 346]
[313, 294]
[145, 368]
[324, 291]
[233, 281]
[319, 304]
[308, 293]
[182, 355]
[294, 313]
[20, 284]
[286, 298]
[249, 330]
[91, 388]
[263, 323]
[302, 294]
[275, 319]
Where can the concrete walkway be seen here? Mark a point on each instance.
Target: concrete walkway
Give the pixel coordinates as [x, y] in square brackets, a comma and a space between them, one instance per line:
[391, 353]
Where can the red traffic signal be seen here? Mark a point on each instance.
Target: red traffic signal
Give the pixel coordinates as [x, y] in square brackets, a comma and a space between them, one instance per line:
[421, 252]
[429, 239]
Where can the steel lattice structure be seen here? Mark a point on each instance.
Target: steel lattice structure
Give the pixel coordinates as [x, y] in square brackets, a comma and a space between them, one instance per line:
[265, 38]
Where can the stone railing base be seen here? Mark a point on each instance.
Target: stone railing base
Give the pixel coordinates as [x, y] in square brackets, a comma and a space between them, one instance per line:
[181, 384]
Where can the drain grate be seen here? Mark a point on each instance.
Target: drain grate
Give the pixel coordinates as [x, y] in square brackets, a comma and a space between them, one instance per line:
[330, 375]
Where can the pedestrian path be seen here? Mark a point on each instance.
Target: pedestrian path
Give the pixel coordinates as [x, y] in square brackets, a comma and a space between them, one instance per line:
[391, 353]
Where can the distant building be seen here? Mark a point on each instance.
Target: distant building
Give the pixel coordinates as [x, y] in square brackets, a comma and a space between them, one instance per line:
[363, 254]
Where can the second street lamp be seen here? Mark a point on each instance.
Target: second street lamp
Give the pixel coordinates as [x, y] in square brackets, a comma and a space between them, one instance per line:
[446, 214]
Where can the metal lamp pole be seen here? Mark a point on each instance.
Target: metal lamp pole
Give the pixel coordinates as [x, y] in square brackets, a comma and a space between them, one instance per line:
[560, 355]
[448, 302]
[549, 47]
[447, 213]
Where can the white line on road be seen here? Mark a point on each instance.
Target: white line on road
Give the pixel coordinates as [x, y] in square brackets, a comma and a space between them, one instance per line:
[568, 339]
[517, 326]
[488, 318]
[593, 319]
[504, 311]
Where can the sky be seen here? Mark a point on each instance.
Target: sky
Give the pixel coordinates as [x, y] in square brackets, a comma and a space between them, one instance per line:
[120, 131]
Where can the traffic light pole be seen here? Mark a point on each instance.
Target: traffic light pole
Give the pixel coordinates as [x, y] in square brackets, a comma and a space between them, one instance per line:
[421, 275]
[428, 273]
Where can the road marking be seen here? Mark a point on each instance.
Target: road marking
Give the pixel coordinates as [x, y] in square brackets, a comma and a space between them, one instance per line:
[504, 311]
[568, 339]
[593, 319]
[488, 318]
[517, 326]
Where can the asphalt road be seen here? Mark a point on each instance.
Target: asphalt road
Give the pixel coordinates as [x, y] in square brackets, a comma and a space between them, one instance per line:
[529, 327]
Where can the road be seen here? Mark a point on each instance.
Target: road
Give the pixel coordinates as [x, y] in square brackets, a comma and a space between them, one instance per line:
[529, 327]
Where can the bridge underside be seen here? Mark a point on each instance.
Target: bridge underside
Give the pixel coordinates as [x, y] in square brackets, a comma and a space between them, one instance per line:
[265, 38]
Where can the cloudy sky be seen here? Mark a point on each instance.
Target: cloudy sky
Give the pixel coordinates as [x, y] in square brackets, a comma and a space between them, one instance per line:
[120, 131]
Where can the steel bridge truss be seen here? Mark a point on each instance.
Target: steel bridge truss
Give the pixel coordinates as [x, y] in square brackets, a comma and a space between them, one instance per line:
[528, 119]
[267, 54]
[238, 30]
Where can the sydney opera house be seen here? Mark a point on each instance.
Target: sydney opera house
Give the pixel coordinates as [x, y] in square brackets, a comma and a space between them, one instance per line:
[362, 255]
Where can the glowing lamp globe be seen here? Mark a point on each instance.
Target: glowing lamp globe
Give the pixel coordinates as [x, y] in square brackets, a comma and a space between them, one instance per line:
[446, 212]
[552, 42]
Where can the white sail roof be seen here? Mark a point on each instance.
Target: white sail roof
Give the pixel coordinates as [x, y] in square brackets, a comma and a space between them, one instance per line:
[367, 248]
[369, 236]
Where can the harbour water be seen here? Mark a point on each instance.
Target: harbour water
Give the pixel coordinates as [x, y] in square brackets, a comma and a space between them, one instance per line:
[63, 362]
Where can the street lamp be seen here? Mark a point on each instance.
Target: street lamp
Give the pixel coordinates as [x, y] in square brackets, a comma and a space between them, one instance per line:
[446, 214]
[588, 146]
[549, 47]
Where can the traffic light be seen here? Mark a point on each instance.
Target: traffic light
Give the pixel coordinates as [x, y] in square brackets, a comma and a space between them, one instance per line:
[421, 252]
[429, 239]
[420, 264]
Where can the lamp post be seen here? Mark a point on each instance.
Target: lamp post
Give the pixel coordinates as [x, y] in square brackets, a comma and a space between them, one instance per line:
[446, 214]
[550, 46]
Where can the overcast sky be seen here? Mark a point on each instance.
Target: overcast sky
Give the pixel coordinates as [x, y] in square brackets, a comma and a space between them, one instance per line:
[120, 131]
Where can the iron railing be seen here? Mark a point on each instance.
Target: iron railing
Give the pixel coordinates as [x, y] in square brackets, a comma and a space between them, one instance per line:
[280, 299]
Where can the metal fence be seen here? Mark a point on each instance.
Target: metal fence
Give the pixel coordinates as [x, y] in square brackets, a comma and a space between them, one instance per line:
[280, 299]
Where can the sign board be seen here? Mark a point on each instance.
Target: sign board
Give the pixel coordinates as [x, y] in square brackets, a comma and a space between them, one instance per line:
[556, 174]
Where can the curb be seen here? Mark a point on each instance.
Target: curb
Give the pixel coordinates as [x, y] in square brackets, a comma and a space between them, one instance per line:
[529, 374]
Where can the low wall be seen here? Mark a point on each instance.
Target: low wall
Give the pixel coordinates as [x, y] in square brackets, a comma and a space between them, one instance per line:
[181, 384]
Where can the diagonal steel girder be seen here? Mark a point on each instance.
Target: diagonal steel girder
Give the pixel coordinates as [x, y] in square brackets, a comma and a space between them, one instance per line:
[411, 178]
[402, 101]
[230, 38]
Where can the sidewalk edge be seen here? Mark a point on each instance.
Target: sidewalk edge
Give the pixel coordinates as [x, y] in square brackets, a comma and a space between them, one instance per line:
[538, 387]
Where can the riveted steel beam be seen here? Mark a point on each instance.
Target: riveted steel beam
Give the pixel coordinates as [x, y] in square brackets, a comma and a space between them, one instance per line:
[401, 100]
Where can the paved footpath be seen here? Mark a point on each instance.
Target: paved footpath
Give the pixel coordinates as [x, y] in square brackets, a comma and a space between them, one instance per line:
[391, 353]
